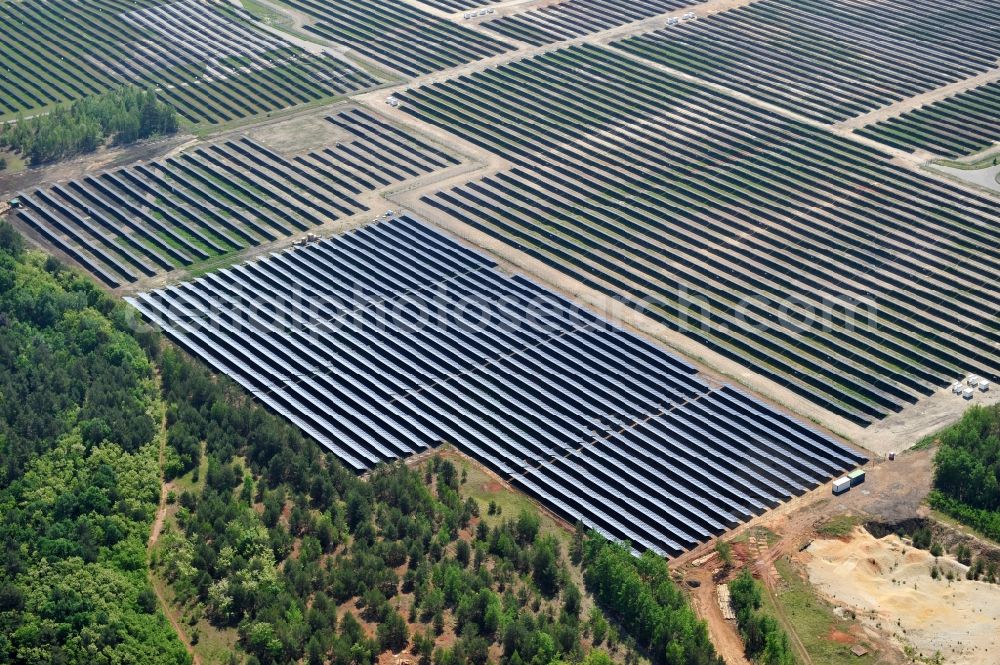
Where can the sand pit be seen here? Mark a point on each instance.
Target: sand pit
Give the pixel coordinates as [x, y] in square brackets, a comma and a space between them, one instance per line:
[889, 586]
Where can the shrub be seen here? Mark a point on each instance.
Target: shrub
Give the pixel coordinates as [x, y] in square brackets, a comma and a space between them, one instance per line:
[725, 551]
[922, 538]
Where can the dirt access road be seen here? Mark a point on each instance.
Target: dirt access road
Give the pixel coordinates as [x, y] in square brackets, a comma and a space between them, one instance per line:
[723, 633]
[910, 103]
[893, 492]
[154, 537]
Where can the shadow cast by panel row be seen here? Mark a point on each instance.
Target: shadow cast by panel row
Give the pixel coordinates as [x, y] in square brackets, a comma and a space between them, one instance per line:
[393, 338]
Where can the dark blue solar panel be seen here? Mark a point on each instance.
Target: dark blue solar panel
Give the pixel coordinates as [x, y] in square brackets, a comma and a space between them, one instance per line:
[394, 338]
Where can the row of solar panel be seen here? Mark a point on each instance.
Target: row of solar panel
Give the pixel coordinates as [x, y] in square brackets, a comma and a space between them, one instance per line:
[366, 341]
[436, 316]
[155, 217]
[604, 197]
[698, 471]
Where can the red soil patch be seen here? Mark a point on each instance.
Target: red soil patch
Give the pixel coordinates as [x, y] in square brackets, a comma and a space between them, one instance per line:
[286, 513]
[841, 637]
[741, 552]
[448, 638]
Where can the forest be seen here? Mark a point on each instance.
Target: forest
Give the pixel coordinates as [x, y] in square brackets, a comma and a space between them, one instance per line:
[967, 470]
[79, 473]
[298, 554]
[763, 639]
[118, 117]
[269, 538]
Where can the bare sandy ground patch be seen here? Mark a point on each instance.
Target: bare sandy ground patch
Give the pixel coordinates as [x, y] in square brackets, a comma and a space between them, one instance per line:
[300, 134]
[888, 584]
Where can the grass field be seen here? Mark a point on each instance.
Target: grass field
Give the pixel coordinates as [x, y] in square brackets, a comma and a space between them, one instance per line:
[483, 487]
[986, 162]
[839, 526]
[15, 164]
[187, 482]
[267, 15]
[826, 637]
[214, 643]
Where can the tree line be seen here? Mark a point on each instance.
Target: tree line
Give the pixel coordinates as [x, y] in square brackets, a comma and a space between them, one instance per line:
[638, 593]
[119, 117]
[967, 470]
[763, 639]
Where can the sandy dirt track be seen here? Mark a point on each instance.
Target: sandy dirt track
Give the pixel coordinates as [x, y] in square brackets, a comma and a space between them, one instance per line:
[893, 493]
[910, 103]
[723, 634]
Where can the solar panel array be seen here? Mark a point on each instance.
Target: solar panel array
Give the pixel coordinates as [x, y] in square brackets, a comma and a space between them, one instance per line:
[960, 125]
[397, 34]
[458, 5]
[393, 338]
[701, 468]
[832, 59]
[140, 220]
[208, 64]
[804, 256]
[575, 18]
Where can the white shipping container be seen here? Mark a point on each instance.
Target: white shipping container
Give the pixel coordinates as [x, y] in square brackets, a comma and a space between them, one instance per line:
[841, 485]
